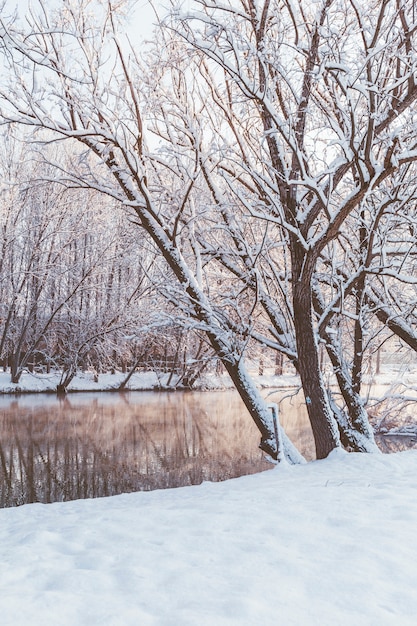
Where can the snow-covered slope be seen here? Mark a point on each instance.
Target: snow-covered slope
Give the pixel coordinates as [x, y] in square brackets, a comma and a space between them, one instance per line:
[330, 543]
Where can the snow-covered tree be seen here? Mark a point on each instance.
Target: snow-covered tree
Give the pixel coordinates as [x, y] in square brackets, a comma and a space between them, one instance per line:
[322, 94]
[283, 143]
[70, 76]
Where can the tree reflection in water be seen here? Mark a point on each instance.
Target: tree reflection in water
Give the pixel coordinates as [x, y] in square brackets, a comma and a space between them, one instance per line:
[91, 445]
[86, 446]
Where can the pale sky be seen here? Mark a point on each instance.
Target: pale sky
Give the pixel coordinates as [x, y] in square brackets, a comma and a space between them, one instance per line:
[141, 22]
[144, 17]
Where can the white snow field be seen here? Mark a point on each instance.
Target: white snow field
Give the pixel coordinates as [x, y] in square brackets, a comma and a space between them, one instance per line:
[329, 543]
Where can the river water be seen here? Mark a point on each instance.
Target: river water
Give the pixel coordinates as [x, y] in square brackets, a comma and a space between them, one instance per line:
[98, 444]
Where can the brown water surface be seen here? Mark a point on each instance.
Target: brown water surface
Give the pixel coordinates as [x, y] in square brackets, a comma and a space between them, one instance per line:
[99, 444]
[90, 445]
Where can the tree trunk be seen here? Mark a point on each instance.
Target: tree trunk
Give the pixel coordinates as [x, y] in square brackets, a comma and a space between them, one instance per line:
[15, 367]
[66, 377]
[132, 370]
[358, 340]
[279, 361]
[218, 337]
[355, 429]
[324, 428]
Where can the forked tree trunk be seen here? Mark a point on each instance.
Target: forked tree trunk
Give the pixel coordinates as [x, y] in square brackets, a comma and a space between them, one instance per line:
[66, 378]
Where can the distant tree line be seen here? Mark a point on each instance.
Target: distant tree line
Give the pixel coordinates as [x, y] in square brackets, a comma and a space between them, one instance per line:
[79, 288]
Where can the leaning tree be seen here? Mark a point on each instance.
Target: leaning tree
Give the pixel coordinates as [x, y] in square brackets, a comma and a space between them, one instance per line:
[70, 77]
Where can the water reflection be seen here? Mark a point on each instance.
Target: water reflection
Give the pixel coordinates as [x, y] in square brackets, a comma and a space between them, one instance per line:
[396, 443]
[90, 445]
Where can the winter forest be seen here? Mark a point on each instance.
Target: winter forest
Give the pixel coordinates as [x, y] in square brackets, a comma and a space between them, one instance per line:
[240, 189]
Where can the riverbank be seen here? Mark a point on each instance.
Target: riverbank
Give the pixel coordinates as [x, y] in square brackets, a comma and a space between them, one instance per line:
[389, 376]
[330, 542]
[140, 381]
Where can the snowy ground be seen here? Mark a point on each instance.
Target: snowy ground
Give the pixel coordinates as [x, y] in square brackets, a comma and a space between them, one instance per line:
[330, 543]
[35, 383]
[395, 377]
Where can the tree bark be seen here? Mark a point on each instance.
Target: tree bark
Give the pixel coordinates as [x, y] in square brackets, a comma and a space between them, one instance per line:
[324, 428]
[354, 428]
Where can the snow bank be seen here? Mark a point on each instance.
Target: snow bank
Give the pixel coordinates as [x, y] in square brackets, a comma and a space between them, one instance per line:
[140, 381]
[329, 543]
